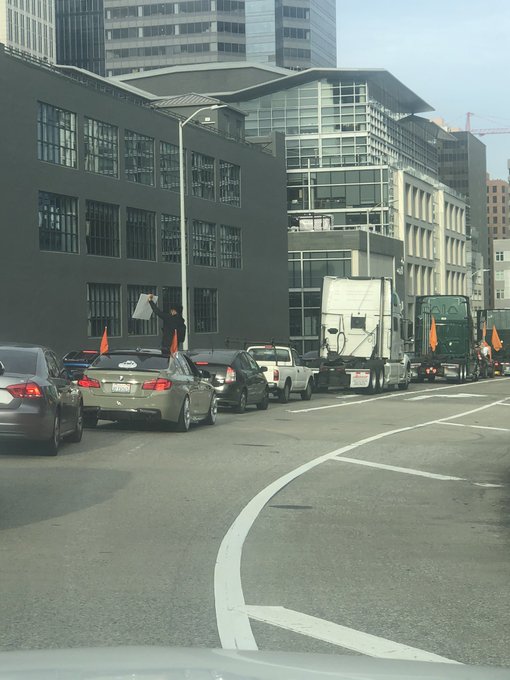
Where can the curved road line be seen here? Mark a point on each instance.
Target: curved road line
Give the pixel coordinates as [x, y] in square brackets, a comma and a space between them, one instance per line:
[232, 621]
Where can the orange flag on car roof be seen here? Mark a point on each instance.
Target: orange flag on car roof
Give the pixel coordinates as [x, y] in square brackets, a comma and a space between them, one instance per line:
[174, 346]
[496, 342]
[103, 348]
[433, 335]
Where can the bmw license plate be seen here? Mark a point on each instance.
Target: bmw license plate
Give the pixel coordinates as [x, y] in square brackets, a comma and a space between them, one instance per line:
[121, 388]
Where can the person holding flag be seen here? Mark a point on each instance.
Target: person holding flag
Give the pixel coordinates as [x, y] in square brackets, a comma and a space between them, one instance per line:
[173, 325]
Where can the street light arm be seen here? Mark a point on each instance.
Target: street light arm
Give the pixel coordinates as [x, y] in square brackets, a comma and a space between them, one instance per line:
[214, 107]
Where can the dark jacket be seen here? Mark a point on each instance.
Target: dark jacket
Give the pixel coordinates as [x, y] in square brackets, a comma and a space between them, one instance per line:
[171, 323]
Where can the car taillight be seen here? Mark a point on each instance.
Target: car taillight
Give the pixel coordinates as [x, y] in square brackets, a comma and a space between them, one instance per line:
[276, 374]
[85, 381]
[231, 375]
[29, 390]
[158, 385]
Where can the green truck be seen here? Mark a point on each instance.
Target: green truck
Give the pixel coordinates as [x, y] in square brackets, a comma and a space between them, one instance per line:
[499, 319]
[454, 357]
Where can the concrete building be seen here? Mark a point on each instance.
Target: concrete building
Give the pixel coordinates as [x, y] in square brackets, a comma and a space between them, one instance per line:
[143, 36]
[29, 26]
[358, 158]
[79, 26]
[463, 167]
[89, 182]
[501, 259]
[498, 220]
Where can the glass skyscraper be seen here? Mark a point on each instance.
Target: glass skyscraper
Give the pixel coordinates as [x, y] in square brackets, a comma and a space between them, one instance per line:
[80, 34]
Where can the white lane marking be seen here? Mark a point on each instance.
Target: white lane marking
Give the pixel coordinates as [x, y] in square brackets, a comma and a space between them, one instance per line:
[340, 635]
[446, 396]
[479, 427]
[347, 396]
[395, 468]
[385, 396]
[487, 485]
[233, 624]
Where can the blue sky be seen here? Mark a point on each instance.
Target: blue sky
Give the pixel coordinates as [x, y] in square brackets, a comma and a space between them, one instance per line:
[455, 54]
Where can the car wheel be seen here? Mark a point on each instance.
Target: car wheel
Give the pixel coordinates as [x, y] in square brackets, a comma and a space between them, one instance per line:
[306, 395]
[50, 447]
[262, 405]
[76, 436]
[184, 422]
[213, 412]
[90, 421]
[241, 404]
[405, 385]
[373, 382]
[284, 394]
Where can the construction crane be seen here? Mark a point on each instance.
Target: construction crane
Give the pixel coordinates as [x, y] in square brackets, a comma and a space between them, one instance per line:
[488, 131]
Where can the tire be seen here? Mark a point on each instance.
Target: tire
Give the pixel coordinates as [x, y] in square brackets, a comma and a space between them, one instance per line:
[50, 447]
[380, 381]
[284, 395]
[76, 436]
[241, 404]
[90, 421]
[431, 378]
[462, 374]
[262, 405]
[213, 412]
[405, 385]
[184, 422]
[306, 395]
[372, 387]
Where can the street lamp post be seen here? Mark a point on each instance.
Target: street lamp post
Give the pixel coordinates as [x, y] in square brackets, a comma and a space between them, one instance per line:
[182, 210]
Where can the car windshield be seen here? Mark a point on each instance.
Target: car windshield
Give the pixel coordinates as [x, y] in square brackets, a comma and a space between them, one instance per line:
[269, 354]
[130, 362]
[19, 361]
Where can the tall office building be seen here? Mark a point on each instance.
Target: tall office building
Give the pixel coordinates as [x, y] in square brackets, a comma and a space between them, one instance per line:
[29, 26]
[142, 36]
[296, 36]
[463, 166]
[79, 26]
[498, 219]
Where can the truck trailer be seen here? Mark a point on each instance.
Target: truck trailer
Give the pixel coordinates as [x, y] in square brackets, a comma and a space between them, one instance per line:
[451, 353]
[361, 346]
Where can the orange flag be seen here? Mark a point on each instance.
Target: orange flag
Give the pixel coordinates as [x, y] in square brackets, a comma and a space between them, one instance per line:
[174, 345]
[496, 342]
[433, 335]
[103, 348]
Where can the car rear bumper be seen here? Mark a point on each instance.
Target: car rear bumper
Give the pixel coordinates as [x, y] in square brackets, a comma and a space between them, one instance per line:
[30, 421]
[227, 395]
[135, 414]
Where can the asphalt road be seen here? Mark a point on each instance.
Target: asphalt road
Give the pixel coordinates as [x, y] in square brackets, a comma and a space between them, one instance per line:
[115, 541]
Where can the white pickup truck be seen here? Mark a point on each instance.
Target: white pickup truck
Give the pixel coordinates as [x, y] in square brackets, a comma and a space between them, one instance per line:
[285, 373]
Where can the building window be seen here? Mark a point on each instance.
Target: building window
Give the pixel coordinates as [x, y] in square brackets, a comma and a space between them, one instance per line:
[230, 247]
[170, 238]
[58, 222]
[103, 309]
[56, 135]
[230, 184]
[204, 243]
[499, 256]
[206, 310]
[139, 158]
[202, 172]
[140, 234]
[169, 166]
[500, 294]
[139, 326]
[101, 148]
[499, 275]
[171, 294]
[102, 223]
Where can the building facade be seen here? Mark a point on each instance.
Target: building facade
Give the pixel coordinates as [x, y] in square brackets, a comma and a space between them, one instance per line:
[89, 180]
[295, 35]
[501, 259]
[79, 34]
[29, 26]
[463, 166]
[498, 221]
[359, 159]
[142, 36]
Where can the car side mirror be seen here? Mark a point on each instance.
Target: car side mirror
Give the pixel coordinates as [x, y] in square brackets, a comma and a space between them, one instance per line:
[2, 368]
[263, 369]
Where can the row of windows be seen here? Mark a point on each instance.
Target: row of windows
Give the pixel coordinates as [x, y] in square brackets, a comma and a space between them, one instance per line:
[296, 12]
[57, 143]
[104, 309]
[494, 188]
[58, 232]
[163, 8]
[296, 33]
[29, 33]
